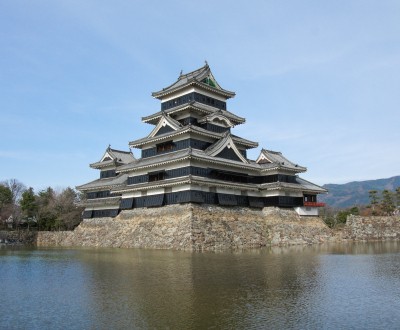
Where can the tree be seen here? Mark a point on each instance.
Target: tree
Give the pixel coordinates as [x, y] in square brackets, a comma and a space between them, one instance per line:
[398, 196]
[69, 215]
[46, 209]
[374, 200]
[28, 203]
[17, 188]
[29, 206]
[341, 217]
[5, 196]
[387, 204]
[5, 203]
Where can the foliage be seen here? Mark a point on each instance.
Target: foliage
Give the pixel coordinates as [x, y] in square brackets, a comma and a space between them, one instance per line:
[6, 201]
[5, 196]
[16, 187]
[47, 210]
[374, 200]
[381, 203]
[334, 218]
[387, 204]
[28, 203]
[342, 215]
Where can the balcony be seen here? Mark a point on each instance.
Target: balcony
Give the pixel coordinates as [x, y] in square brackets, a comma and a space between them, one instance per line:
[314, 204]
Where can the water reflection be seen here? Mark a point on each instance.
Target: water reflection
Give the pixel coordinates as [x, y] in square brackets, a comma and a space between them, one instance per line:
[324, 286]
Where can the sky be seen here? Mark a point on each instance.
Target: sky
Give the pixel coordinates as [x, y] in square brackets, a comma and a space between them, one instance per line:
[317, 80]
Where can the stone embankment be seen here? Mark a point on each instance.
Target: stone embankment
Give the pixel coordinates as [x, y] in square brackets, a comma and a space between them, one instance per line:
[371, 228]
[202, 227]
[194, 227]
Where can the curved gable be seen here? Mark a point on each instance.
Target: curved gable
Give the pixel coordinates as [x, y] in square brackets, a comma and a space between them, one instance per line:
[217, 119]
[165, 124]
[226, 148]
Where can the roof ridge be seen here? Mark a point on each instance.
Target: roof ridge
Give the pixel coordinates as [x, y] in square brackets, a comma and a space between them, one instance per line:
[206, 66]
[117, 150]
[272, 151]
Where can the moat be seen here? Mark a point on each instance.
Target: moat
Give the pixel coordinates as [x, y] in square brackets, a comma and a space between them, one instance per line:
[353, 285]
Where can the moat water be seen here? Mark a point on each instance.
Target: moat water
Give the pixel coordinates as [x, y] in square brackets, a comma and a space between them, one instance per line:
[346, 286]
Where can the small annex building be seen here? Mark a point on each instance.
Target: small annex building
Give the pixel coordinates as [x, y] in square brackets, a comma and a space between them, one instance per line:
[192, 156]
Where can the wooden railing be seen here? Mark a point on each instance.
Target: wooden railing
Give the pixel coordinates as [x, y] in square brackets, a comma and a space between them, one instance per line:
[314, 204]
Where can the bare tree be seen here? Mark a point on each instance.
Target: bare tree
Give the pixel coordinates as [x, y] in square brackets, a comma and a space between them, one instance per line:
[17, 188]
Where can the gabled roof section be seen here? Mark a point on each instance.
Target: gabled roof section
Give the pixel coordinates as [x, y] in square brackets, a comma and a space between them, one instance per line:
[190, 129]
[226, 142]
[269, 157]
[202, 77]
[164, 121]
[217, 118]
[113, 157]
[199, 107]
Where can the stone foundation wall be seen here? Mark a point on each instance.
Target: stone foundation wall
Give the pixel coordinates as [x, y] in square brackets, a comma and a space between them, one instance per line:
[372, 228]
[194, 227]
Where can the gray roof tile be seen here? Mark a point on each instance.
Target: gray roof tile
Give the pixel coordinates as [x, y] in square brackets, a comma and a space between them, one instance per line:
[106, 183]
[203, 108]
[196, 76]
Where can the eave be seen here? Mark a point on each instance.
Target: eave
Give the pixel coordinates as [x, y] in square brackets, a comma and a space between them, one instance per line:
[114, 201]
[105, 183]
[189, 179]
[190, 129]
[192, 83]
[197, 106]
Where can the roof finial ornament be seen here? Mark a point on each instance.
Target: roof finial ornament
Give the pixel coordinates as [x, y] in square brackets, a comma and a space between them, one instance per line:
[205, 61]
[181, 72]
[109, 147]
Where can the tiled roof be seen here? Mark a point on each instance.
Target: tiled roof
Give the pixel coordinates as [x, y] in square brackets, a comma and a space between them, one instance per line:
[310, 186]
[117, 157]
[165, 119]
[190, 129]
[180, 155]
[188, 179]
[195, 77]
[218, 115]
[123, 157]
[224, 142]
[109, 201]
[202, 108]
[159, 159]
[106, 183]
[269, 158]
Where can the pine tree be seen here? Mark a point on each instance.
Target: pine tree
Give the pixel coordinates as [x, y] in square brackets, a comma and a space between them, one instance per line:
[28, 203]
[374, 200]
[398, 196]
[387, 202]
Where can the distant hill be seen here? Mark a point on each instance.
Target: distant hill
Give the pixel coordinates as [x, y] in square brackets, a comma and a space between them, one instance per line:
[356, 193]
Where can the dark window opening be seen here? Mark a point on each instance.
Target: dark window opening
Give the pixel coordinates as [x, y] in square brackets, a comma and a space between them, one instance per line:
[163, 147]
[98, 194]
[156, 176]
[107, 174]
[229, 176]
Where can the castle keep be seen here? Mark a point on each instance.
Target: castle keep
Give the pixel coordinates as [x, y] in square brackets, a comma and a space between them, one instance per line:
[192, 156]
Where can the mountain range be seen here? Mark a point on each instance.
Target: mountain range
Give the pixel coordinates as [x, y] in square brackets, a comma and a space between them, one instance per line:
[356, 193]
